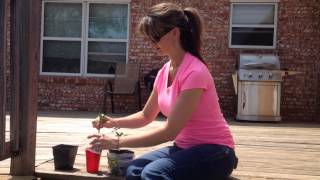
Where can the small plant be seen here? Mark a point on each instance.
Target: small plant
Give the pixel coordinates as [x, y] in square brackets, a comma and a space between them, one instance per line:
[118, 134]
[117, 159]
[103, 120]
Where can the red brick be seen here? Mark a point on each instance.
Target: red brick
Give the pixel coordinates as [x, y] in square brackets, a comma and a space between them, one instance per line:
[298, 46]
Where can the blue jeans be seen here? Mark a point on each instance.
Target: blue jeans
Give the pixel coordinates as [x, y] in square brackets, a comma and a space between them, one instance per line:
[208, 161]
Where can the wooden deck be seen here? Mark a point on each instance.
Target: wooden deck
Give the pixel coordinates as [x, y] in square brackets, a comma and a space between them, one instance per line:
[275, 151]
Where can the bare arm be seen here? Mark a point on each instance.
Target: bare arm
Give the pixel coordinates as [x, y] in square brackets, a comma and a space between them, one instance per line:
[186, 104]
[136, 120]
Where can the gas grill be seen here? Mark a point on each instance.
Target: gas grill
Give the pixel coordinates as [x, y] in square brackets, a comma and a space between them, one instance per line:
[259, 87]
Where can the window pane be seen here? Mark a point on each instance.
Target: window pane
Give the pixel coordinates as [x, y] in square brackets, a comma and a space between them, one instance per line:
[252, 36]
[61, 56]
[108, 21]
[62, 19]
[253, 14]
[103, 56]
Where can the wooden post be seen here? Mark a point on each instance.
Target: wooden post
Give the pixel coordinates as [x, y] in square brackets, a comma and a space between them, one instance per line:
[15, 85]
[3, 61]
[25, 45]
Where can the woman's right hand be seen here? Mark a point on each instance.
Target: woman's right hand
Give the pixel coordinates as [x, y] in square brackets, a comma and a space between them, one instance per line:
[102, 121]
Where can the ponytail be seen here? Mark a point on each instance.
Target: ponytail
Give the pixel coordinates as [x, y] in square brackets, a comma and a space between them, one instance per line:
[191, 36]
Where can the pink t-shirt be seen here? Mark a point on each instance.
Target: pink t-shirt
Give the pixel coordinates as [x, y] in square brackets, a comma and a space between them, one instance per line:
[207, 124]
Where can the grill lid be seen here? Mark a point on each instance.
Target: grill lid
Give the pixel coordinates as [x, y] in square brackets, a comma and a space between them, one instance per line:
[257, 67]
[258, 61]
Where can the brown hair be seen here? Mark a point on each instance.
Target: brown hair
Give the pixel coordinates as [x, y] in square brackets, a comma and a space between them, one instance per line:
[163, 17]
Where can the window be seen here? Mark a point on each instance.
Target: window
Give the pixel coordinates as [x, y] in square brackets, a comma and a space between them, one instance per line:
[253, 25]
[83, 38]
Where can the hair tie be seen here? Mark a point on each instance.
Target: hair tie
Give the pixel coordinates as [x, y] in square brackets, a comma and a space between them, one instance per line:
[188, 23]
[185, 16]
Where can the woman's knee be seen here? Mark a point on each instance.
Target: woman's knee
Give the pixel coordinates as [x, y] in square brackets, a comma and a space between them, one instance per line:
[160, 169]
[137, 171]
[133, 171]
[150, 172]
[135, 168]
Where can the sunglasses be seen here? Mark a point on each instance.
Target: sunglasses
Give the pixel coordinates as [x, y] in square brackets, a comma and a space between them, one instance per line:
[156, 39]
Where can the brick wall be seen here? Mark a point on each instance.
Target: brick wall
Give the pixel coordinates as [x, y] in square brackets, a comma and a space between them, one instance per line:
[297, 45]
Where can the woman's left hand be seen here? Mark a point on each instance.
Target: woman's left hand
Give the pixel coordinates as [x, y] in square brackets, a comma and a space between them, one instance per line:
[103, 142]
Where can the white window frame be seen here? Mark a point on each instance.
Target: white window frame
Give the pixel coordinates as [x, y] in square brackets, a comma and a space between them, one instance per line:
[84, 39]
[274, 26]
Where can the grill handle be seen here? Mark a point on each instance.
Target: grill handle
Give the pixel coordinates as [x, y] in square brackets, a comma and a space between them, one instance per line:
[243, 100]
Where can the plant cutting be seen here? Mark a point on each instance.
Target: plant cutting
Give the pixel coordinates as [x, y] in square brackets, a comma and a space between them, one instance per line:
[118, 159]
[102, 120]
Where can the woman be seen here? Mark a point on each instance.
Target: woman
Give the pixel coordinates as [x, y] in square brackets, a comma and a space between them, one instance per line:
[185, 93]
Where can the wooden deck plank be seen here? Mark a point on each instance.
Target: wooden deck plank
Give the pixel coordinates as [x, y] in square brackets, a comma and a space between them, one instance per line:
[273, 151]
[5, 177]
